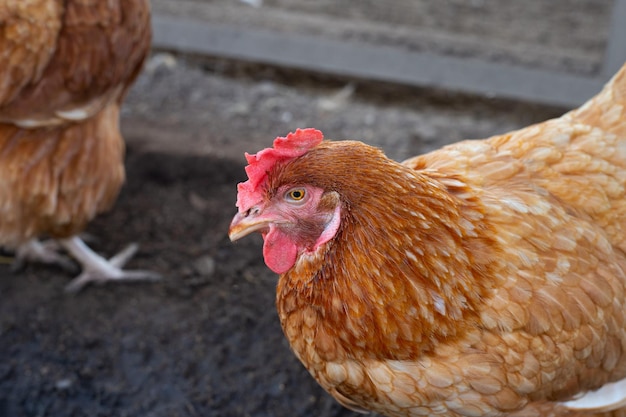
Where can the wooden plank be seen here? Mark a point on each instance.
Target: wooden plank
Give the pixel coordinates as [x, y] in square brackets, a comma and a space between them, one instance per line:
[615, 53]
[374, 62]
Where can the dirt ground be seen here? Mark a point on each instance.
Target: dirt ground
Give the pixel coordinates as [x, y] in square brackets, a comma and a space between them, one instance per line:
[205, 341]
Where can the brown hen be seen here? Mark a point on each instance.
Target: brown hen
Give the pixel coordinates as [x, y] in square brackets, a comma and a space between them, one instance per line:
[66, 66]
[486, 278]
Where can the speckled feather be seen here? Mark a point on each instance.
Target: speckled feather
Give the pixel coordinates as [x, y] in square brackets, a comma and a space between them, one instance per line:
[66, 66]
[482, 279]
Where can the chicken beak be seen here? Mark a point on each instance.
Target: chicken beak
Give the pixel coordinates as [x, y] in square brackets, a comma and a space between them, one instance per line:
[245, 223]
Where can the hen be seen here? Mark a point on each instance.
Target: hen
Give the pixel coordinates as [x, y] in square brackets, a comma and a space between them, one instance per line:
[66, 66]
[486, 278]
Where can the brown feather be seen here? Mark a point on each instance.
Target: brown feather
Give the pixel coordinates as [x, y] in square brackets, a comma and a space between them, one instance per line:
[66, 66]
[96, 51]
[54, 180]
[487, 277]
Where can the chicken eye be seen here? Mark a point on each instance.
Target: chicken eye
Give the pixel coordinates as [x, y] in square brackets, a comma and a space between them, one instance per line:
[296, 194]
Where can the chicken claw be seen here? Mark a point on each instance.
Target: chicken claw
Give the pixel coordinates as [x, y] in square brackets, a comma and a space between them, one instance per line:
[98, 269]
[46, 252]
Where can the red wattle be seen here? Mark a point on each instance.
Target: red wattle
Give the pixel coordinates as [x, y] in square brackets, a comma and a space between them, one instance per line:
[279, 251]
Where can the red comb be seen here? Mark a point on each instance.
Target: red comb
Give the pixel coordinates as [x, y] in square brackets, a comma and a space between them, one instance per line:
[294, 145]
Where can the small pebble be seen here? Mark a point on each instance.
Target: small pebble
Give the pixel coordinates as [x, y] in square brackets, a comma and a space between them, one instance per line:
[205, 265]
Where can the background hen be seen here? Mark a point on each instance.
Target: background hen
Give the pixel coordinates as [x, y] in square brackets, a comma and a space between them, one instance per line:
[66, 66]
[484, 278]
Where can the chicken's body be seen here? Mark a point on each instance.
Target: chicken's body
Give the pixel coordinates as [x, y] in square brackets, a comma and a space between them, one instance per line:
[486, 278]
[66, 66]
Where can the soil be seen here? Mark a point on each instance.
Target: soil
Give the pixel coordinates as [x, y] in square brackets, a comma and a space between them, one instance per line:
[205, 341]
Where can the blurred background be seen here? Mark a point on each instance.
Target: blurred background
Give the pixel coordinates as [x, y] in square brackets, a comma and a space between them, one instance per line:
[226, 77]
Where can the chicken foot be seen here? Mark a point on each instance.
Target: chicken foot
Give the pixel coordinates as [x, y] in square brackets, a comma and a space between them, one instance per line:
[95, 268]
[98, 269]
[46, 252]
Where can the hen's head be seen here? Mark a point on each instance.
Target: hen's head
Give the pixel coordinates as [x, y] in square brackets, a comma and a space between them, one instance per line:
[295, 213]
